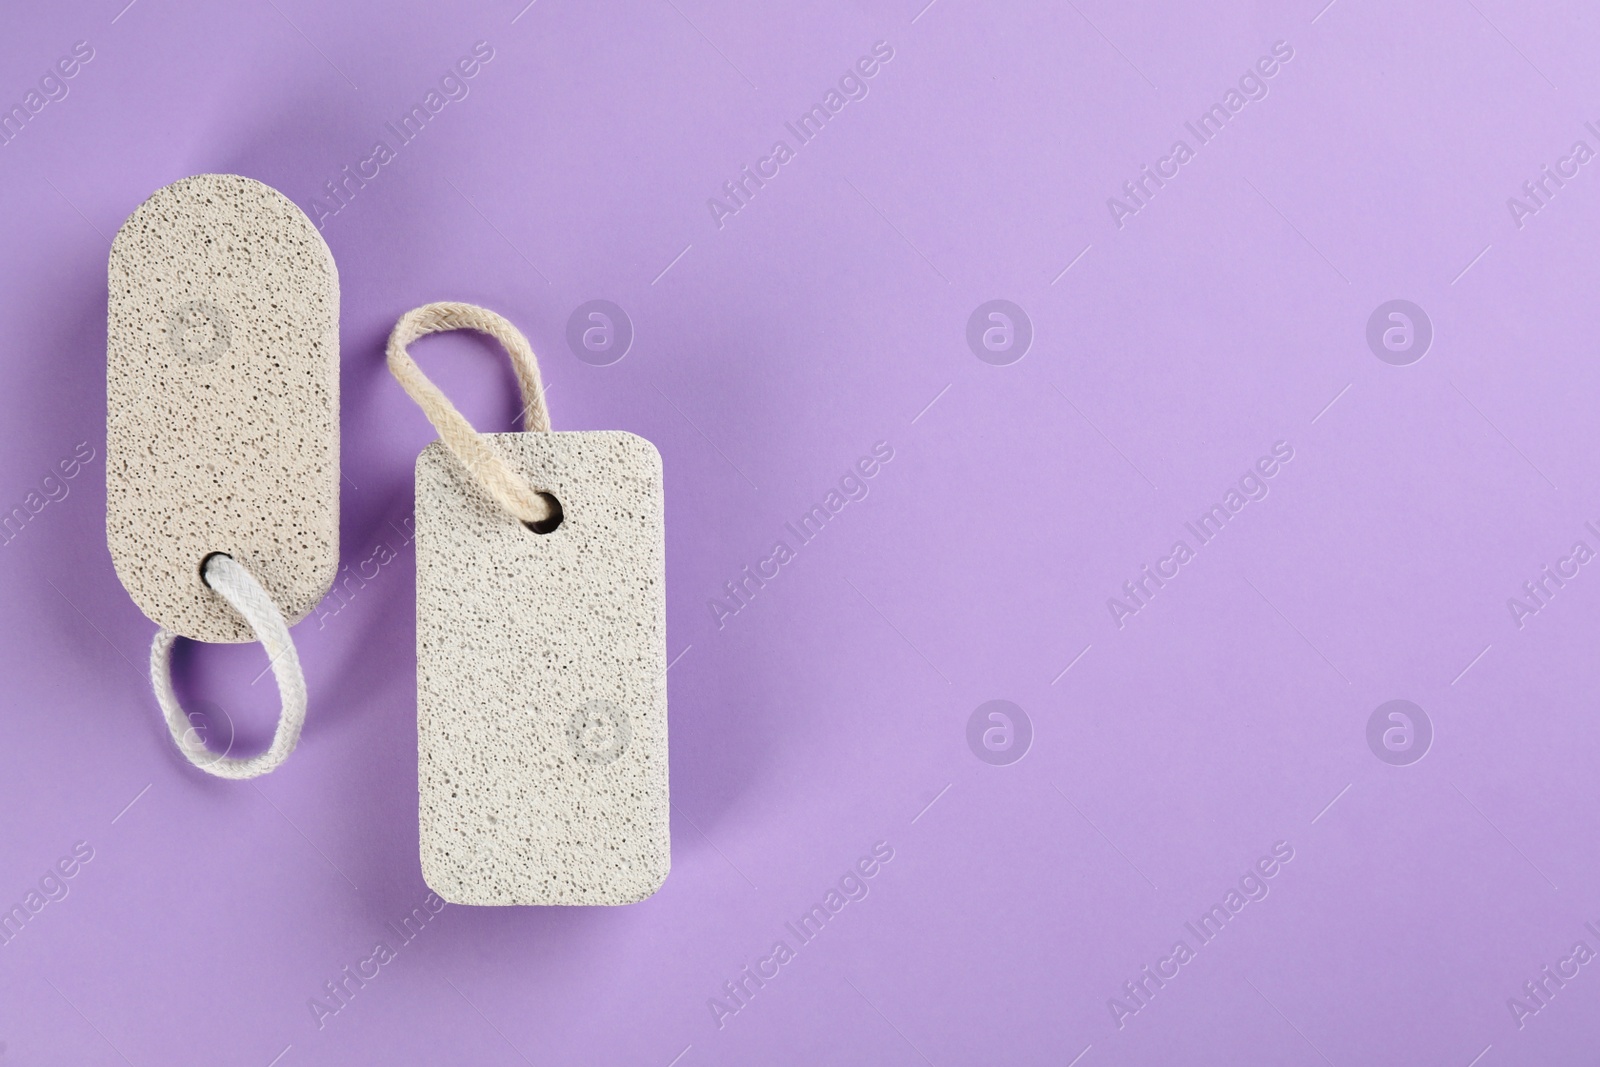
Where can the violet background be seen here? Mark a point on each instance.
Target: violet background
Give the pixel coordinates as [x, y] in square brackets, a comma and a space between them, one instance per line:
[830, 713]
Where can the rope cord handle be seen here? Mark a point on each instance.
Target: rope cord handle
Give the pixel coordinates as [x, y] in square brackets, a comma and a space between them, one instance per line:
[475, 453]
[238, 587]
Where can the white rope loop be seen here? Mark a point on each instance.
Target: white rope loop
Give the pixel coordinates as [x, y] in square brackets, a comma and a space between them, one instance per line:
[239, 588]
[475, 453]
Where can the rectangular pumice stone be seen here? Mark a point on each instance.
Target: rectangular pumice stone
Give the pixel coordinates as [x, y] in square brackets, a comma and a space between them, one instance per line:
[541, 676]
[222, 402]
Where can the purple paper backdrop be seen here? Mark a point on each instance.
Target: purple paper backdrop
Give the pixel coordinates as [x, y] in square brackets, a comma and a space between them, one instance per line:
[1185, 312]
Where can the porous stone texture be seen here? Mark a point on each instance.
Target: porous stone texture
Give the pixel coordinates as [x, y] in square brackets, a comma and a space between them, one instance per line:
[222, 402]
[541, 677]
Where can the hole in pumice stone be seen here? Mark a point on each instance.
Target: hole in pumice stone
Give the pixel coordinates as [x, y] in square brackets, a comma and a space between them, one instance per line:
[547, 525]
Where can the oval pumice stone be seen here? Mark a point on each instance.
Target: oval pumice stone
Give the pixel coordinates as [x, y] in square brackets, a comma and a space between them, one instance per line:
[222, 402]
